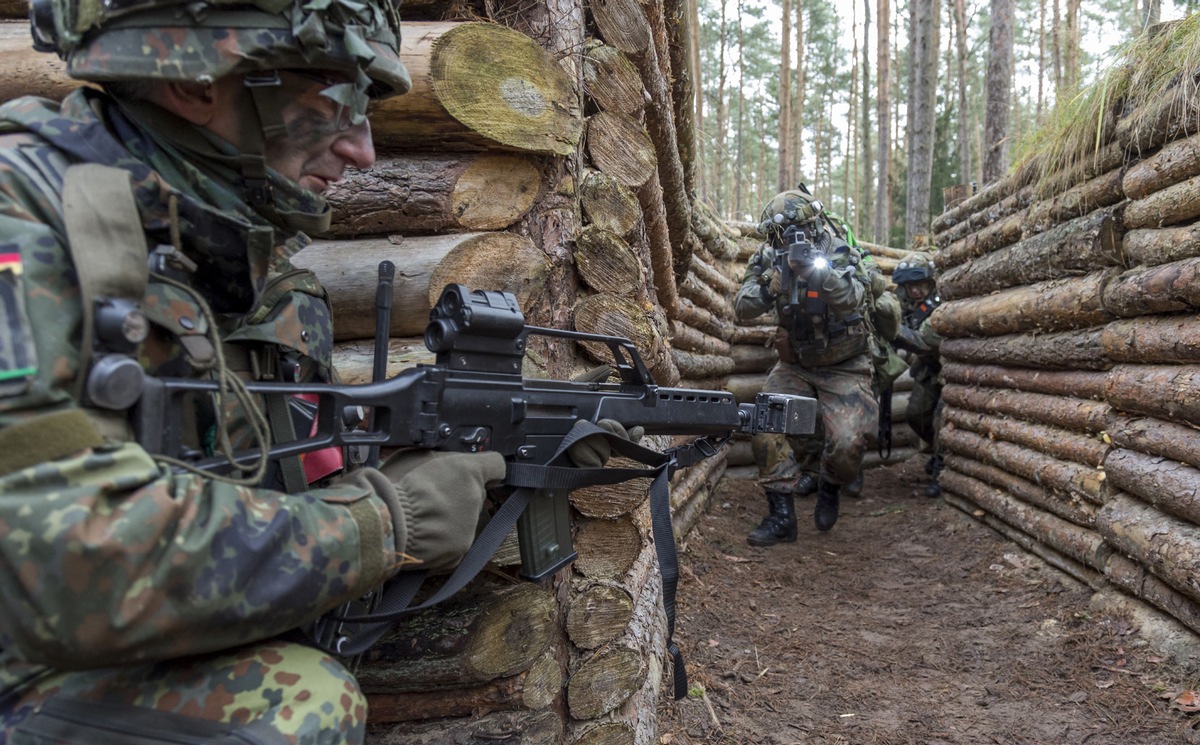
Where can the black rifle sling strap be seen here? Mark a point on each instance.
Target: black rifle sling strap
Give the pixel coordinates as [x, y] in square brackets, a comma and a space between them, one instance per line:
[528, 478]
[108, 247]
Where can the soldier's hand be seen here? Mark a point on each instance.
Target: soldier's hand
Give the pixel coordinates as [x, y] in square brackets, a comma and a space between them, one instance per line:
[439, 497]
[770, 282]
[594, 450]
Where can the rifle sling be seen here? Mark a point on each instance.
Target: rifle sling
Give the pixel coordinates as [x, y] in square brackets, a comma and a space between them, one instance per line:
[45, 438]
[527, 477]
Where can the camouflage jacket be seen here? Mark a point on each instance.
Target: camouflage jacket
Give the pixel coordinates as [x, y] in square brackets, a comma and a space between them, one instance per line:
[920, 337]
[845, 287]
[106, 556]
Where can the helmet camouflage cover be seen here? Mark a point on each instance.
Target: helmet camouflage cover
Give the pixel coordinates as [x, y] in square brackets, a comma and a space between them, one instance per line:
[913, 269]
[791, 207]
[205, 40]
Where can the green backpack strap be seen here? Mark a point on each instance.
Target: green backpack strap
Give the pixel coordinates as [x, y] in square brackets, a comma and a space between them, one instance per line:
[108, 247]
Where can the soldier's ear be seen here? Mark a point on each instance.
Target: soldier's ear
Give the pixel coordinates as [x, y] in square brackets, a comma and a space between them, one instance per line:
[195, 102]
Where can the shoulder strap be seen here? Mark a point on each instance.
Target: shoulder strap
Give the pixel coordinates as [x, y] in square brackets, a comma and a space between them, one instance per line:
[107, 243]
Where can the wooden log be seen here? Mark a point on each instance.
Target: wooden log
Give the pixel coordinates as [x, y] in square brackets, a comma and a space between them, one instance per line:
[1153, 339]
[609, 733]
[753, 335]
[1072, 479]
[953, 196]
[1152, 246]
[1166, 545]
[705, 296]
[1056, 441]
[614, 500]
[604, 682]
[662, 266]
[1073, 248]
[1053, 558]
[607, 264]
[598, 615]
[1011, 204]
[997, 235]
[479, 86]
[616, 316]
[610, 79]
[694, 366]
[717, 241]
[424, 265]
[687, 482]
[534, 689]
[685, 518]
[1055, 410]
[1175, 162]
[472, 638]
[620, 147]
[985, 197]
[1055, 382]
[1079, 543]
[710, 276]
[1175, 204]
[536, 728]
[1169, 288]
[1077, 511]
[1065, 350]
[878, 249]
[1151, 436]
[694, 340]
[749, 358]
[608, 204]
[425, 193]
[1135, 579]
[1090, 165]
[1162, 119]
[701, 318]
[746, 386]
[607, 548]
[1161, 391]
[1102, 191]
[355, 360]
[1168, 485]
[30, 73]
[1054, 305]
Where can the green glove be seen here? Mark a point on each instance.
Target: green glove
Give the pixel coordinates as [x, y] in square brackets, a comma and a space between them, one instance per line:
[437, 501]
[594, 451]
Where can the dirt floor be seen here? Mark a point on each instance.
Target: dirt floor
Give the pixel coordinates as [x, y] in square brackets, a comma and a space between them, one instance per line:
[909, 622]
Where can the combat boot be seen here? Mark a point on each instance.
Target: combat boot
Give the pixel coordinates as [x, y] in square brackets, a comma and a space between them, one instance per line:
[934, 469]
[805, 485]
[825, 514]
[778, 526]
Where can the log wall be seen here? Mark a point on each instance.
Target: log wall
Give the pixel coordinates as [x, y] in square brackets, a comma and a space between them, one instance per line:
[1071, 361]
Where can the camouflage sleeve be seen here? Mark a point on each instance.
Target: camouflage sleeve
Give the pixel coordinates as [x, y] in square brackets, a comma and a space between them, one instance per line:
[750, 302]
[928, 336]
[107, 557]
[845, 284]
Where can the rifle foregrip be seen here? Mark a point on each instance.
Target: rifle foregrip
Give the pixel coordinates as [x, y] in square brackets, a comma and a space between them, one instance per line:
[779, 413]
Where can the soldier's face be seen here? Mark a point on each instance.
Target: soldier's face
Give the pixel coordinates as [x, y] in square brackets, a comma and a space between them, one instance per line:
[320, 140]
[918, 291]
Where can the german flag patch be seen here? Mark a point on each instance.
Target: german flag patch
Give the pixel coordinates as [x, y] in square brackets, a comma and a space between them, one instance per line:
[18, 357]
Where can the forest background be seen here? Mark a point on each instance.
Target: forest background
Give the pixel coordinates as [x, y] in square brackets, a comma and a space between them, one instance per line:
[878, 105]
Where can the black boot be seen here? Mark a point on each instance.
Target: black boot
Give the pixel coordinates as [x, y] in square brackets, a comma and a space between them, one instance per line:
[934, 468]
[825, 514]
[779, 525]
[805, 485]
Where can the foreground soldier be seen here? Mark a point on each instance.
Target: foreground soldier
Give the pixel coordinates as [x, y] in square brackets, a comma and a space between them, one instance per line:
[823, 352]
[915, 280]
[135, 599]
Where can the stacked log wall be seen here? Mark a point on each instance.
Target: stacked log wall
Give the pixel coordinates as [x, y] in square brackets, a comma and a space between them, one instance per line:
[1070, 360]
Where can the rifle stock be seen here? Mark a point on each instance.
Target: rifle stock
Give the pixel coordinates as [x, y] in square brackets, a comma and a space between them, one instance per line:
[474, 399]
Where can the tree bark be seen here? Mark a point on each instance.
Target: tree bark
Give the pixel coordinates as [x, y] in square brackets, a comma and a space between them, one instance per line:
[1173, 488]
[536, 728]
[1056, 383]
[883, 193]
[533, 689]
[30, 73]
[424, 193]
[1161, 391]
[700, 318]
[999, 85]
[1056, 305]
[1153, 246]
[997, 235]
[479, 85]
[694, 340]
[1062, 410]
[922, 100]
[347, 269]
[1175, 162]
[1153, 340]
[1168, 288]
[694, 366]
[705, 296]
[1073, 510]
[1066, 350]
[1172, 205]
[1074, 248]
[1155, 437]
[746, 386]
[1060, 443]
[749, 358]
[354, 360]
[1135, 579]
[1071, 479]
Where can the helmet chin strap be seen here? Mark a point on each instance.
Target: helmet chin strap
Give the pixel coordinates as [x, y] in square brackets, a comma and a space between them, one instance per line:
[262, 120]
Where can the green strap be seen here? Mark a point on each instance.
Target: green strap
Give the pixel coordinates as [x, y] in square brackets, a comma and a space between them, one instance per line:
[107, 243]
[46, 438]
[282, 430]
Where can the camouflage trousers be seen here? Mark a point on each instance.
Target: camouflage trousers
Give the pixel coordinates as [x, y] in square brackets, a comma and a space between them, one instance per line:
[849, 413]
[272, 693]
[923, 409]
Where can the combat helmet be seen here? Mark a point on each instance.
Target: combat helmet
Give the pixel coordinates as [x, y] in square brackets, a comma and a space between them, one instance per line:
[913, 269]
[791, 207]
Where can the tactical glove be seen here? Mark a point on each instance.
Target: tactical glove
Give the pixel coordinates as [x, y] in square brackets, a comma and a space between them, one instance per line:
[436, 500]
[908, 339]
[594, 451]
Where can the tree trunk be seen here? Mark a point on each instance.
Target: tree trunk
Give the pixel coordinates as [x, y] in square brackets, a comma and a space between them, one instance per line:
[995, 236]
[479, 85]
[1075, 383]
[783, 182]
[617, 316]
[699, 318]
[1073, 248]
[1153, 340]
[749, 358]
[1067, 350]
[1161, 391]
[1056, 305]
[863, 194]
[999, 85]
[1062, 411]
[1171, 487]
[883, 194]
[1133, 578]
[1171, 205]
[536, 728]
[1168, 288]
[1155, 437]
[355, 360]
[348, 270]
[922, 99]
[1175, 162]
[606, 263]
[694, 340]
[1153, 246]
[424, 193]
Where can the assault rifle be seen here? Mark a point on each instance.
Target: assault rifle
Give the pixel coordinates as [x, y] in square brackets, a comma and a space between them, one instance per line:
[474, 399]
